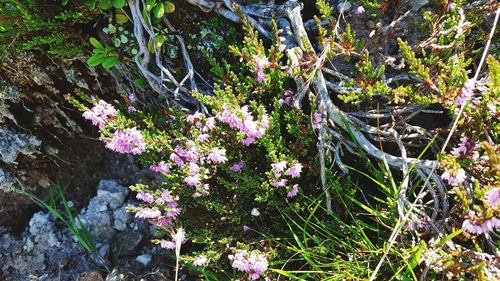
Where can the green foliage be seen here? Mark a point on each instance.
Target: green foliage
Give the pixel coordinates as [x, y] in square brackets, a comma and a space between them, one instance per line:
[102, 55]
[41, 26]
[65, 216]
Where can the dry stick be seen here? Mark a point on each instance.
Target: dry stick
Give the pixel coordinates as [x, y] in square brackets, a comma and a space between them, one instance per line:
[400, 222]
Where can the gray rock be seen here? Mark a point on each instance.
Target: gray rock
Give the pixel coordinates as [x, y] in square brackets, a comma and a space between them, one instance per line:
[7, 93]
[13, 143]
[417, 4]
[6, 183]
[344, 6]
[121, 219]
[28, 247]
[126, 242]
[98, 223]
[112, 192]
[104, 251]
[144, 259]
[42, 230]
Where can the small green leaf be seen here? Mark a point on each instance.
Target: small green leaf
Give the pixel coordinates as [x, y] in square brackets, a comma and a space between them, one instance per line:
[121, 19]
[150, 4]
[118, 4]
[106, 4]
[158, 10]
[96, 59]
[64, 2]
[151, 47]
[109, 62]
[169, 7]
[140, 82]
[96, 43]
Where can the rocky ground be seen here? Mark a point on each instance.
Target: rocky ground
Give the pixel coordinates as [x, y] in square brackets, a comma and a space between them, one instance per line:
[47, 250]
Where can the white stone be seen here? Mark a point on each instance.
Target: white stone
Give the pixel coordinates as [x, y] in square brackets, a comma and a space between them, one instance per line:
[344, 6]
[144, 259]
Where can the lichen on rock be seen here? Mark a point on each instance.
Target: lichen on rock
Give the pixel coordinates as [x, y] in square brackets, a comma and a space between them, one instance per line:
[12, 143]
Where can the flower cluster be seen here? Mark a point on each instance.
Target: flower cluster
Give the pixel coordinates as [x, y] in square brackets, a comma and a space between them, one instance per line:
[466, 93]
[253, 263]
[476, 226]
[280, 169]
[238, 166]
[318, 120]
[100, 113]
[466, 147]
[164, 202]
[246, 124]
[260, 64]
[131, 99]
[454, 177]
[279, 45]
[127, 141]
[288, 98]
[178, 237]
[160, 167]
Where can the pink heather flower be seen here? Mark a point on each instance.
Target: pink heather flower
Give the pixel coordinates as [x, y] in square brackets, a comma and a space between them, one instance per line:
[466, 93]
[450, 6]
[194, 117]
[486, 226]
[454, 177]
[163, 220]
[193, 180]
[280, 183]
[203, 137]
[160, 167]
[209, 124]
[229, 118]
[295, 170]
[287, 99]
[145, 196]
[246, 228]
[131, 98]
[177, 160]
[492, 109]
[317, 120]
[200, 260]
[466, 147]
[254, 263]
[179, 236]
[260, 76]
[131, 109]
[193, 168]
[100, 113]
[260, 65]
[179, 150]
[191, 154]
[281, 47]
[173, 209]
[359, 11]
[170, 245]
[293, 192]
[492, 197]
[127, 141]
[278, 167]
[165, 195]
[236, 167]
[147, 213]
[217, 155]
[248, 126]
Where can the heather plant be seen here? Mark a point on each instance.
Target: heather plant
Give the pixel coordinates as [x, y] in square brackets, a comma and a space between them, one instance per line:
[245, 166]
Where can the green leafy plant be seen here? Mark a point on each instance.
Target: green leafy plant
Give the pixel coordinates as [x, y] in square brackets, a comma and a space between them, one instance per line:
[103, 55]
